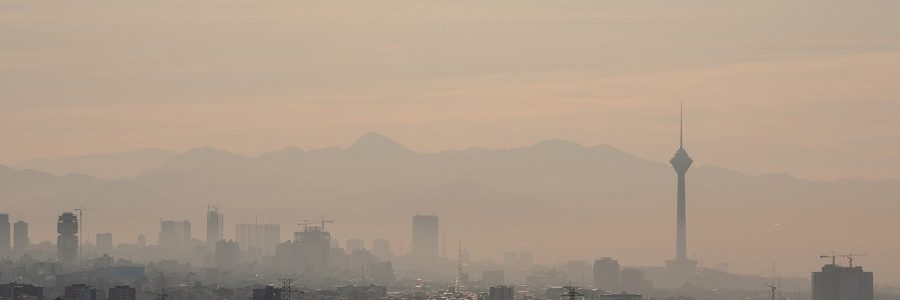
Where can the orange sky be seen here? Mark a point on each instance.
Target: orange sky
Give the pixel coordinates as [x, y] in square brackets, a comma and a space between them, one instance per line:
[808, 87]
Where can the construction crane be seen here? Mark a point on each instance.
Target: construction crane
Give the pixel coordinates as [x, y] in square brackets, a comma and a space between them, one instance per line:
[304, 223]
[850, 256]
[832, 256]
[573, 293]
[773, 287]
[325, 221]
[81, 232]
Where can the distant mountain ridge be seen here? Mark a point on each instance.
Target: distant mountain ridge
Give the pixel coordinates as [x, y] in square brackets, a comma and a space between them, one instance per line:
[105, 166]
[615, 204]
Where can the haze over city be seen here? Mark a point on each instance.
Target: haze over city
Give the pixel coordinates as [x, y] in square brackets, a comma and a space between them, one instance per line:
[541, 128]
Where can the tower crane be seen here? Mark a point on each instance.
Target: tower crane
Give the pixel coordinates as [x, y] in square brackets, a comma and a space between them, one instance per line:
[850, 256]
[325, 221]
[832, 256]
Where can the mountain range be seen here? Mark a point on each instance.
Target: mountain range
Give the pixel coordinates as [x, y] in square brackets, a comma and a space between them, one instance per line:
[558, 198]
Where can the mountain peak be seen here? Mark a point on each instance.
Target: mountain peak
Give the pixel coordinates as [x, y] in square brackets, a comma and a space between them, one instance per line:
[558, 144]
[374, 142]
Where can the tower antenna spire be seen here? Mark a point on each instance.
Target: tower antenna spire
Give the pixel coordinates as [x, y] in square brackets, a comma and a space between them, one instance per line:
[681, 130]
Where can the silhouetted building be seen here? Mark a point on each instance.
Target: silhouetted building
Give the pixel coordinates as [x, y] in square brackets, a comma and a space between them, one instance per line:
[104, 243]
[607, 274]
[122, 292]
[620, 296]
[228, 254]
[314, 248]
[174, 233]
[20, 238]
[352, 292]
[681, 162]
[5, 237]
[264, 237]
[381, 249]
[141, 240]
[494, 277]
[502, 292]
[425, 240]
[577, 272]
[267, 293]
[633, 280]
[80, 292]
[382, 273]
[355, 244]
[215, 227]
[67, 241]
[842, 283]
[16, 291]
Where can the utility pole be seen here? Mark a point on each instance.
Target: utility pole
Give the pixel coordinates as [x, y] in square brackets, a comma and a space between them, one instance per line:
[773, 287]
[287, 288]
[573, 293]
[162, 294]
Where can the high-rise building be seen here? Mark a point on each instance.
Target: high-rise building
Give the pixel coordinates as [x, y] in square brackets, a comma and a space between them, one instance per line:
[80, 292]
[267, 293]
[577, 272]
[20, 238]
[607, 274]
[633, 280]
[67, 241]
[141, 241]
[355, 244]
[262, 237]
[314, 248]
[493, 277]
[5, 237]
[525, 260]
[174, 233]
[227, 254]
[425, 240]
[20, 291]
[104, 243]
[122, 292]
[382, 273]
[835, 282]
[502, 292]
[681, 162]
[381, 249]
[215, 227]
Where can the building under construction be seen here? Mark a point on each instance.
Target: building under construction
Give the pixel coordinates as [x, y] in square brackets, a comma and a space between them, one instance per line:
[837, 282]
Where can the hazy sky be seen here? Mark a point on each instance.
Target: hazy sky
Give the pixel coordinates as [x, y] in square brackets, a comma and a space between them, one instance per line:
[805, 87]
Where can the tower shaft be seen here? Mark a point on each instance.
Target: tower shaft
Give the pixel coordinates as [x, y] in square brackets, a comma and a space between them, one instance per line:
[681, 234]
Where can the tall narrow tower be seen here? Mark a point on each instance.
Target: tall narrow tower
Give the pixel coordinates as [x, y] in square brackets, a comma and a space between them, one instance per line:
[681, 162]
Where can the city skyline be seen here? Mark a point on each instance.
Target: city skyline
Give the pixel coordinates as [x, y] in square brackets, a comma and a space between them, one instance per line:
[450, 150]
[378, 142]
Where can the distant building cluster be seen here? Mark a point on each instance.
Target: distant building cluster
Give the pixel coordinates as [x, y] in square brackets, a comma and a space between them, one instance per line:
[257, 263]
